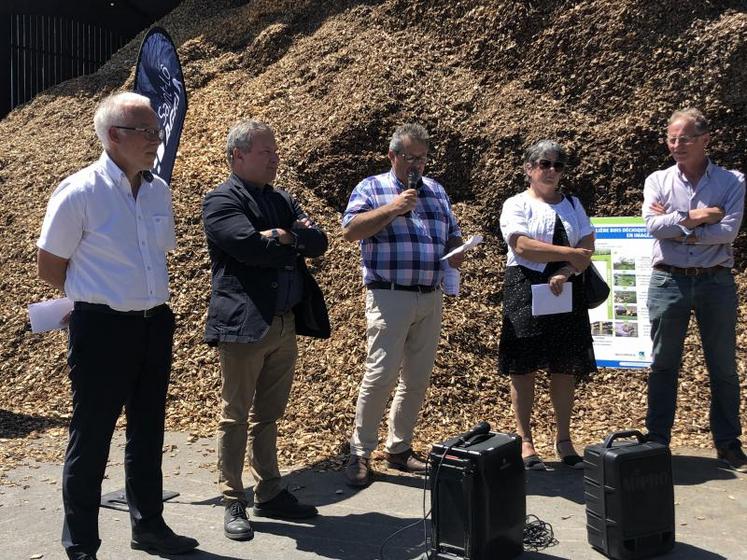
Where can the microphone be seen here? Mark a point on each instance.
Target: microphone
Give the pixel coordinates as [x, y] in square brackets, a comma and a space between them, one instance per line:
[147, 175]
[479, 429]
[413, 179]
[413, 182]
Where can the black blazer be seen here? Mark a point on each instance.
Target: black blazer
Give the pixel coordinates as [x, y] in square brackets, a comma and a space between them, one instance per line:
[245, 265]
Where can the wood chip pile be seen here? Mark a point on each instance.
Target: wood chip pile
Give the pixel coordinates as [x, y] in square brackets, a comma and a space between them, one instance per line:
[334, 78]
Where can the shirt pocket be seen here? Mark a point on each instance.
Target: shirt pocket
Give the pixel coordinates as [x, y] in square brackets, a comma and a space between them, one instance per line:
[162, 232]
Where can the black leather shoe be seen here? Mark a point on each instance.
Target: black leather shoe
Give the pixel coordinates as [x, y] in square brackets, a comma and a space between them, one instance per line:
[236, 525]
[733, 457]
[284, 506]
[81, 556]
[163, 541]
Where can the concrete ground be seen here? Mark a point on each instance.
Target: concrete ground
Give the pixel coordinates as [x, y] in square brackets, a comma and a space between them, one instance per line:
[710, 506]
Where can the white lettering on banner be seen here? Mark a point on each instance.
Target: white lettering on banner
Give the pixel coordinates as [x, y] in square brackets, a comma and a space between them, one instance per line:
[172, 90]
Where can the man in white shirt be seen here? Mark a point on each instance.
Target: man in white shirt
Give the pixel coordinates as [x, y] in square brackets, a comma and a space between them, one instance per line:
[103, 242]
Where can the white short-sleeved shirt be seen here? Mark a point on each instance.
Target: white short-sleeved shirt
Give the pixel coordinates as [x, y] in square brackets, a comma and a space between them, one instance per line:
[523, 214]
[116, 244]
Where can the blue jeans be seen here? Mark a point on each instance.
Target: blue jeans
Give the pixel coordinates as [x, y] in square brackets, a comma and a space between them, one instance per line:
[671, 297]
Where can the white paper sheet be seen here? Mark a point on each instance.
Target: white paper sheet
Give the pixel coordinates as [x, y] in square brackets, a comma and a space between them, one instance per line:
[544, 302]
[473, 241]
[47, 315]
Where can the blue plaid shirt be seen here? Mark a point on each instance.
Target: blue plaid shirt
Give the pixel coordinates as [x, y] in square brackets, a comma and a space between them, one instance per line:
[407, 251]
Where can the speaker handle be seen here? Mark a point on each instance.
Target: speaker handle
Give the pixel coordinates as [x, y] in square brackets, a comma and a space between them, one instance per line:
[623, 434]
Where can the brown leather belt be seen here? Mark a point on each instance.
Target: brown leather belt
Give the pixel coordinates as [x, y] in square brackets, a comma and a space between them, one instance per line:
[690, 271]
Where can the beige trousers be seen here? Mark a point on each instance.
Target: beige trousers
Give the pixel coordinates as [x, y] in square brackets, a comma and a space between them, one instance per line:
[403, 333]
[257, 380]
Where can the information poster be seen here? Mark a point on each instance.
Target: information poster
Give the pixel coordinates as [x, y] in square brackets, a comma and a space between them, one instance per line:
[620, 326]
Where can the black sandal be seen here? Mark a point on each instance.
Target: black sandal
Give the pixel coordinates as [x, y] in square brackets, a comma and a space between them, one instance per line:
[534, 463]
[572, 461]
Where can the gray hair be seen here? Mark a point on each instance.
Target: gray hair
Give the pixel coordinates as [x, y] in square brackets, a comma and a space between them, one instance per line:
[241, 135]
[414, 131]
[112, 110]
[539, 150]
[691, 114]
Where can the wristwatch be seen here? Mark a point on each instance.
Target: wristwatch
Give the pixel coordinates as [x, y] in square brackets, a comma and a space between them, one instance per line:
[275, 234]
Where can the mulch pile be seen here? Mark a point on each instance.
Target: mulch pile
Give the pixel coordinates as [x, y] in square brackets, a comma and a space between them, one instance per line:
[334, 78]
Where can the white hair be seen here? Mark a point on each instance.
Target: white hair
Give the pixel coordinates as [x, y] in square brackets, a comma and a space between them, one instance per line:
[691, 114]
[111, 112]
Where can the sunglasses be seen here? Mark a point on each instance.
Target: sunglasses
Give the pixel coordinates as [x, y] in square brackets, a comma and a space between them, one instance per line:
[546, 164]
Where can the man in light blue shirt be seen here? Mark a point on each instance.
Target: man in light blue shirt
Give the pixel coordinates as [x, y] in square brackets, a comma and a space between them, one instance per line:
[694, 210]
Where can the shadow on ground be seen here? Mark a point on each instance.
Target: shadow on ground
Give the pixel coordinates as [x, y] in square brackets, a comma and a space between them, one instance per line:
[688, 470]
[560, 481]
[16, 425]
[569, 484]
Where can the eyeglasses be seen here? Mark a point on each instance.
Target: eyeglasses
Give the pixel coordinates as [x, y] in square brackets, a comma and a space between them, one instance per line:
[417, 160]
[687, 140]
[150, 133]
[546, 164]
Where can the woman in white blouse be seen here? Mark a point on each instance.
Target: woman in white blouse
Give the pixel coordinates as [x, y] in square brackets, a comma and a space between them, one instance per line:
[550, 241]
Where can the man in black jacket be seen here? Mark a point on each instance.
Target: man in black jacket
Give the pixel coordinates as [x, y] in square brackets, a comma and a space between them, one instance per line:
[262, 296]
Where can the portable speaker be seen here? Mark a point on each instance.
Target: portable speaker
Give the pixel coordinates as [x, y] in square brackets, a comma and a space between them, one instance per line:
[478, 498]
[629, 497]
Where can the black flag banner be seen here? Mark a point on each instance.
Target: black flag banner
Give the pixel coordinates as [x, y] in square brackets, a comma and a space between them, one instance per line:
[159, 77]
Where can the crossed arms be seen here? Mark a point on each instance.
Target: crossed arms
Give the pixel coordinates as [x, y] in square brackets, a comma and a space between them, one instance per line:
[711, 225]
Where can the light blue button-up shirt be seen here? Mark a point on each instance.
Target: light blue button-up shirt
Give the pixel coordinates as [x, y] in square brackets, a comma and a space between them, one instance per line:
[670, 188]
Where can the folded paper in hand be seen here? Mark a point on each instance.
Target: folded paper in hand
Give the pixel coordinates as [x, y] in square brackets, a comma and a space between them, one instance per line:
[544, 302]
[473, 241]
[47, 315]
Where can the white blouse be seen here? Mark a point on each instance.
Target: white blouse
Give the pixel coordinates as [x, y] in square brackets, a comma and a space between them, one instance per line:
[523, 214]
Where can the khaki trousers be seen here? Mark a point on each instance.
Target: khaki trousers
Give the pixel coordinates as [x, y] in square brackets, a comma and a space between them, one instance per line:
[403, 332]
[257, 380]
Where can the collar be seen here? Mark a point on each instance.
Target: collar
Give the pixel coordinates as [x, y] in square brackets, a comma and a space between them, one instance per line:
[397, 183]
[251, 187]
[709, 169]
[118, 176]
[114, 172]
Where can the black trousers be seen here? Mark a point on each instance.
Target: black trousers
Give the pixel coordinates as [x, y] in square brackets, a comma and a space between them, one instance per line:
[115, 361]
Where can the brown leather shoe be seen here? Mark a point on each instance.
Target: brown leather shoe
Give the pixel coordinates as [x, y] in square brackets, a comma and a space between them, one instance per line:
[406, 461]
[358, 471]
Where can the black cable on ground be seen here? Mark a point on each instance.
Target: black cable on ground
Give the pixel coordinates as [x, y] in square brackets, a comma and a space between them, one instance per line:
[427, 514]
[538, 534]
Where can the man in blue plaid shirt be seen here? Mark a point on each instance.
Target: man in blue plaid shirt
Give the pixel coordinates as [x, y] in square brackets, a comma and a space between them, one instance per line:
[404, 224]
